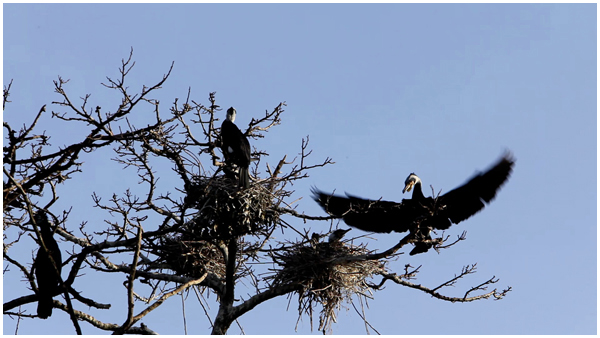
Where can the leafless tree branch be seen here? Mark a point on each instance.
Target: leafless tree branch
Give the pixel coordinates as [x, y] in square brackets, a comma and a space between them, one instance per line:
[187, 228]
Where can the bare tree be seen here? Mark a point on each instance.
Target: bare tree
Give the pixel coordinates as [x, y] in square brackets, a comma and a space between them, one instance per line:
[202, 234]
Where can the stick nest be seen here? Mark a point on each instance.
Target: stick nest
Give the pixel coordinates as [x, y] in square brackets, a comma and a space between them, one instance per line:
[224, 211]
[192, 258]
[330, 273]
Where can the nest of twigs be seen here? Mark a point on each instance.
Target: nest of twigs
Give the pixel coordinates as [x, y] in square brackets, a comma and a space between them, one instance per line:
[191, 257]
[225, 211]
[331, 274]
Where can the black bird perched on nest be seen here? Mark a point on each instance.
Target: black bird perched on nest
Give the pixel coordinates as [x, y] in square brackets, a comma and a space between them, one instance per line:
[46, 275]
[338, 234]
[420, 214]
[236, 148]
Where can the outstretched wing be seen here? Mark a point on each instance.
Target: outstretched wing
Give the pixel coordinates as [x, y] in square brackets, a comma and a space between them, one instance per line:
[367, 215]
[468, 199]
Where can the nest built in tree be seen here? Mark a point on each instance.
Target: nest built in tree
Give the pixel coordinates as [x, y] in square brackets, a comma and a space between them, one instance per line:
[192, 258]
[330, 273]
[224, 212]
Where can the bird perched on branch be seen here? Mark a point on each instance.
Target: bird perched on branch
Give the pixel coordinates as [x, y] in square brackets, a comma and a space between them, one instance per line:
[46, 273]
[236, 148]
[420, 214]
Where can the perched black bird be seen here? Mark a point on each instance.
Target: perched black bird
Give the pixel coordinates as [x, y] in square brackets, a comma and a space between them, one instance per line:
[337, 235]
[48, 280]
[314, 239]
[236, 148]
[420, 214]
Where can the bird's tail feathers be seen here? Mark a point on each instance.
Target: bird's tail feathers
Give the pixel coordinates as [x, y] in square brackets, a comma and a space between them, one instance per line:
[44, 308]
[244, 178]
[420, 248]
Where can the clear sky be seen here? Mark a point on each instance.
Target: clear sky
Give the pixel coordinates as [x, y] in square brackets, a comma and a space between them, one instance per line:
[385, 90]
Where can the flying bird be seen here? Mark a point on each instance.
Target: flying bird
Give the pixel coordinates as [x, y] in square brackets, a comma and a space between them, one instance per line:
[236, 148]
[46, 275]
[419, 215]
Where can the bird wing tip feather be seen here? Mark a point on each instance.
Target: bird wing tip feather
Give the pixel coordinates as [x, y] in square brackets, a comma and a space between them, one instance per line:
[508, 156]
[316, 193]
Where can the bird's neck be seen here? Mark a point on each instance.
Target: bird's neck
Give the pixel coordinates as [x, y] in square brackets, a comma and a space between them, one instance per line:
[46, 232]
[417, 192]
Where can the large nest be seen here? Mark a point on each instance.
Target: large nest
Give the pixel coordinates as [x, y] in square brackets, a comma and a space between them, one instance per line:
[192, 258]
[224, 211]
[330, 273]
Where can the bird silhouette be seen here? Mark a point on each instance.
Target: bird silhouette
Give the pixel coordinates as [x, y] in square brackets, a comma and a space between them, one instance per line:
[46, 275]
[419, 215]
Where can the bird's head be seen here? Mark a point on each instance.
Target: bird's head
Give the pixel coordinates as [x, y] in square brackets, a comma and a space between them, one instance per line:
[40, 217]
[411, 180]
[41, 220]
[338, 234]
[231, 114]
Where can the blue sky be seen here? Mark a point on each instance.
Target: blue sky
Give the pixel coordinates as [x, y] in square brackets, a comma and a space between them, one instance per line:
[385, 90]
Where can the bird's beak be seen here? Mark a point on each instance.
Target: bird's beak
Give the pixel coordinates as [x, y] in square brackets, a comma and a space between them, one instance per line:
[408, 186]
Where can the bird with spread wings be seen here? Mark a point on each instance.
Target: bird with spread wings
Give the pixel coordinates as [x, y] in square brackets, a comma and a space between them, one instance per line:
[419, 215]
